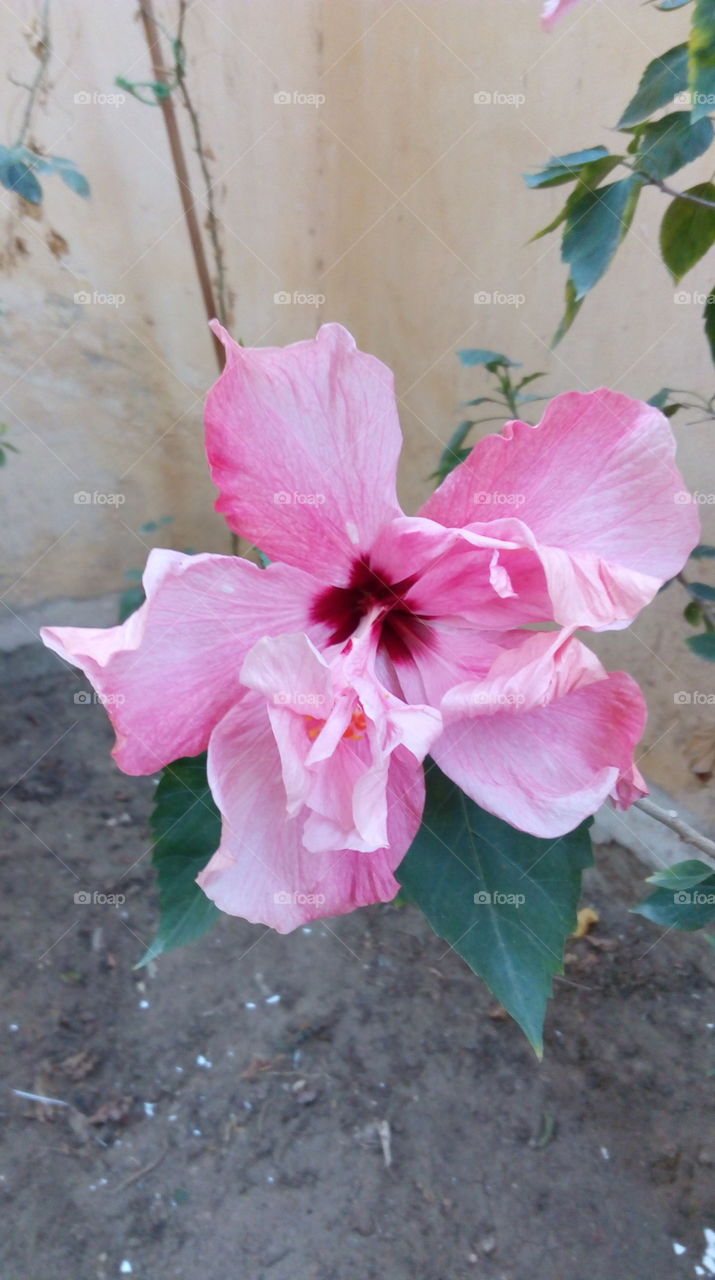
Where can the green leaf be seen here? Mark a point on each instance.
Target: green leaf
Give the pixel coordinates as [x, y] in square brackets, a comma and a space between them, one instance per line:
[666, 145]
[595, 226]
[660, 399]
[703, 552]
[666, 5]
[661, 80]
[692, 613]
[703, 645]
[589, 178]
[709, 318]
[76, 181]
[701, 77]
[684, 899]
[453, 453]
[480, 356]
[186, 829]
[17, 175]
[573, 306]
[504, 900]
[701, 591]
[687, 231]
[131, 599]
[564, 168]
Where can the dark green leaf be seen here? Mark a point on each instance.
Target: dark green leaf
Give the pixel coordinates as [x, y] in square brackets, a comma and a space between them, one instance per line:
[480, 356]
[687, 231]
[701, 79]
[701, 591]
[504, 900]
[668, 144]
[573, 306]
[666, 5]
[702, 552]
[703, 645]
[660, 399]
[131, 599]
[595, 226]
[563, 168]
[684, 899]
[186, 828]
[693, 614]
[19, 177]
[709, 318]
[661, 80]
[590, 177]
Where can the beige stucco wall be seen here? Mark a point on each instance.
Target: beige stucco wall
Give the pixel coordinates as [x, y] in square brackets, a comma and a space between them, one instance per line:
[397, 199]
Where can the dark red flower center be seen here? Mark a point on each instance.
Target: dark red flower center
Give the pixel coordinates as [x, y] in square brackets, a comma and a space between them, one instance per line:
[342, 609]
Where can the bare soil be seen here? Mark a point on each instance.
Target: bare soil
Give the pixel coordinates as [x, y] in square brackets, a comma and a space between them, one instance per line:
[340, 1104]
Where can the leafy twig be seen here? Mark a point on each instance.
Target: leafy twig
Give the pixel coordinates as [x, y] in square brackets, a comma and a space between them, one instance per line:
[44, 46]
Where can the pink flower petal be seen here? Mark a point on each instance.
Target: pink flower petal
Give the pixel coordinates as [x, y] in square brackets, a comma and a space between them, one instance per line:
[594, 490]
[171, 671]
[552, 10]
[546, 737]
[336, 729]
[262, 870]
[303, 443]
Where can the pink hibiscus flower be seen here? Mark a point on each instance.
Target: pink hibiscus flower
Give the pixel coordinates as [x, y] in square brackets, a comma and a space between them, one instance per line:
[552, 10]
[320, 683]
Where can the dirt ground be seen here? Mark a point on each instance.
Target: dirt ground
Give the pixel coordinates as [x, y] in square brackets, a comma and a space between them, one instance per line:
[232, 1113]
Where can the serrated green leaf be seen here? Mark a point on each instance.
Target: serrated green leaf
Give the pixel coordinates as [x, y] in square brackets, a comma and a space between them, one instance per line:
[685, 898]
[668, 144]
[186, 829]
[687, 231]
[662, 79]
[463, 856]
[703, 645]
[701, 69]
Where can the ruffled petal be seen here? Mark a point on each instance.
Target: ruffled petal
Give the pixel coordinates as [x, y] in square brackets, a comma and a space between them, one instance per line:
[171, 671]
[546, 737]
[303, 443]
[594, 490]
[262, 870]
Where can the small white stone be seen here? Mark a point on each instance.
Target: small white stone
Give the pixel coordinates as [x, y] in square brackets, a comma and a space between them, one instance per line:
[201, 1061]
[149, 1108]
[250, 1004]
[144, 1004]
[125, 1267]
[273, 999]
[678, 1248]
[605, 1153]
